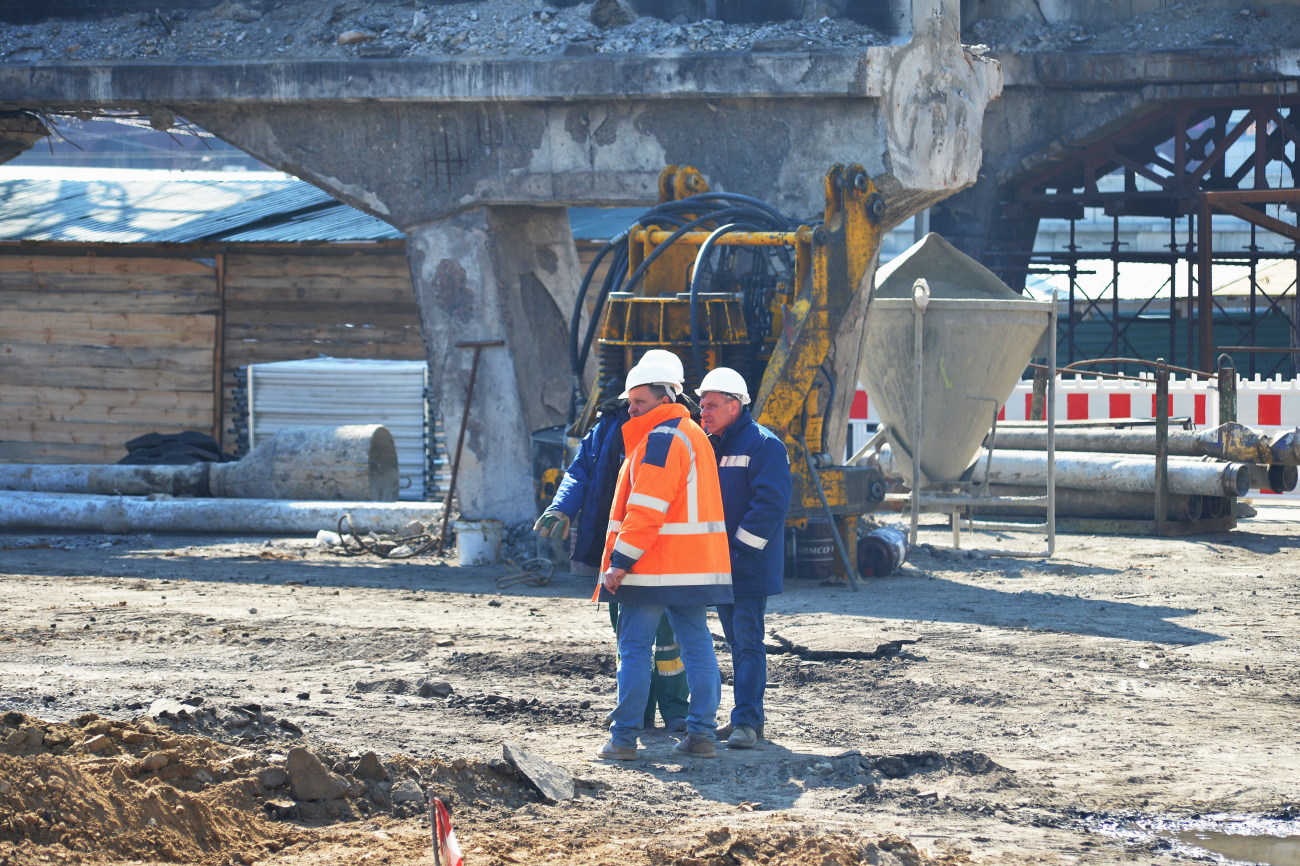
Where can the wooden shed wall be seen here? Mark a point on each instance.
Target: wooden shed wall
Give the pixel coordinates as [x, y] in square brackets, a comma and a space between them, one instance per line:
[286, 304]
[96, 349]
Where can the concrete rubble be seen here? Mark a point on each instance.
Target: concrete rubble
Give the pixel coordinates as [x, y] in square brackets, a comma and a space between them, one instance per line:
[300, 29]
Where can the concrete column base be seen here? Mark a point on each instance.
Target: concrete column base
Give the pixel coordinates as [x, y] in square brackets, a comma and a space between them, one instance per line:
[497, 273]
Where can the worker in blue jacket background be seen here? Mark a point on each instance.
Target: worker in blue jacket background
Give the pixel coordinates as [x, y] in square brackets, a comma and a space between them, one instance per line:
[584, 497]
[754, 472]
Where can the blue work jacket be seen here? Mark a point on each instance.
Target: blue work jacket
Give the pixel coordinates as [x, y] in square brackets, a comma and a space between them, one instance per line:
[587, 490]
[754, 472]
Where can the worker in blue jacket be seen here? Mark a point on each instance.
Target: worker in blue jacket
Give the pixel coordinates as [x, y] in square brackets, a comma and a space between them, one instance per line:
[754, 472]
[585, 496]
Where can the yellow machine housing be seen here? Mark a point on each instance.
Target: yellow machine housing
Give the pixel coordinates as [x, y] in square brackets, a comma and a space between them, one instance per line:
[773, 322]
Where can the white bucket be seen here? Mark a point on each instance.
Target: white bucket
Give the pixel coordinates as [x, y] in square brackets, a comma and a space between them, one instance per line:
[478, 542]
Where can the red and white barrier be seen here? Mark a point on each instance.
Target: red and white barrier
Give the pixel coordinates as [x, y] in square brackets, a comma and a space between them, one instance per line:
[1271, 405]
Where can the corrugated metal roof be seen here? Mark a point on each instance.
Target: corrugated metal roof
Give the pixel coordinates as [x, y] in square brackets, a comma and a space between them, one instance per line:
[105, 206]
[602, 223]
[334, 223]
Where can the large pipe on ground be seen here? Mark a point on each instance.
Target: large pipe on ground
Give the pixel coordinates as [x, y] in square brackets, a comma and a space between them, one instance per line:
[107, 479]
[1285, 450]
[1132, 473]
[1095, 471]
[356, 462]
[127, 514]
[1235, 442]
[1279, 479]
[1107, 504]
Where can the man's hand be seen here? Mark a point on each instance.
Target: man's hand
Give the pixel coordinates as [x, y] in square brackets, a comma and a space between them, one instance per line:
[552, 524]
[613, 578]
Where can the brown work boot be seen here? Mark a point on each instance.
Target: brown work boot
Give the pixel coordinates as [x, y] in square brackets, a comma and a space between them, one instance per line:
[696, 746]
[742, 737]
[611, 752]
[725, 732]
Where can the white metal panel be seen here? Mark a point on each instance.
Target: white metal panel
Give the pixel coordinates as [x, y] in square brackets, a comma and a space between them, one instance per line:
[329, 392]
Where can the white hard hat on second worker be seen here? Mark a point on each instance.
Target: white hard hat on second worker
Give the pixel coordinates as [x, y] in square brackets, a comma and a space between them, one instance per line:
[655, 371]
[725, 380]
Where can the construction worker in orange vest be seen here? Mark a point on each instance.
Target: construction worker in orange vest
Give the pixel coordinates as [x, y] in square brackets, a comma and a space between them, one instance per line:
[666, 551]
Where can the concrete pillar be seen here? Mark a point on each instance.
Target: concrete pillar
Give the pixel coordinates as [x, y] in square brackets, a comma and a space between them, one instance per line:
[19, 130]
[497, 273]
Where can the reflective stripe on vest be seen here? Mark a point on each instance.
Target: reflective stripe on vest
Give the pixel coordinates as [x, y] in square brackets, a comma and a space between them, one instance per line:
[692, 483]
[693, 528]
[734, 460]
[635, 578]
[660, 505]
[628, 550]
[699, 528]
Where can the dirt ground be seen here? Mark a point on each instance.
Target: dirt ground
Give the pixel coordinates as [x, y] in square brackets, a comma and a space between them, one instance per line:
[155, 693]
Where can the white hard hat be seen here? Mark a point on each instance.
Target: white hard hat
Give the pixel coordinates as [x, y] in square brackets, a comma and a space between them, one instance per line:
[653, 373]
[725, 380]
[666, 358]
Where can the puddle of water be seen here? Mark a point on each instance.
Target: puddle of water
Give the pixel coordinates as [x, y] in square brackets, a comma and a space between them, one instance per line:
[1270, 850]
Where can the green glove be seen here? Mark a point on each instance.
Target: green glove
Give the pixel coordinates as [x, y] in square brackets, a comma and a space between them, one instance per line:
[552, 524]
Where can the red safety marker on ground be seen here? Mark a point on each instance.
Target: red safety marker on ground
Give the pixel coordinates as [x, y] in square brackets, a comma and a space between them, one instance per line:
[446, 850]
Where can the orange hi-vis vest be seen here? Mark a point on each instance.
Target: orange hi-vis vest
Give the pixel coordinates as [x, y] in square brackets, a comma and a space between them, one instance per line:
[666, 526]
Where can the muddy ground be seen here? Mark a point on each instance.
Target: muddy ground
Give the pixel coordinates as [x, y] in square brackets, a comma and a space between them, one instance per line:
[155, 693]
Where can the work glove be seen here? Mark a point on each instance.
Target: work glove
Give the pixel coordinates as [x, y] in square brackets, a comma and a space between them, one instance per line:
[552, 524]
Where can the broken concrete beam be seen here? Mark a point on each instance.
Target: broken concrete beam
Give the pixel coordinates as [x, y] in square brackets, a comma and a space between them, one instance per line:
[552, 782]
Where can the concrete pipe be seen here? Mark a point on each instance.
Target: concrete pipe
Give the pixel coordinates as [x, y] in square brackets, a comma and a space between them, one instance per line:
[1108, 504]
[1235, 442]
[107, 479]
[127, 514]
[354, 462]
[1285, 449]
[1128, 473]
[1103, 472]
[1279, 479]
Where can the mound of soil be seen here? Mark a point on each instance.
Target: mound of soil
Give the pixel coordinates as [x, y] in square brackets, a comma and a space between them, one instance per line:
[128, 791]
[100, 790]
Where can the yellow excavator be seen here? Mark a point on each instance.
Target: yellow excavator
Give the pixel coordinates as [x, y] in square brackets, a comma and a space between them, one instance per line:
[722, 279]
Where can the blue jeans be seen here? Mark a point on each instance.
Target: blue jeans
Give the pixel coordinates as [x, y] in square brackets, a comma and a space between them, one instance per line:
[637, 624]
[742, 624]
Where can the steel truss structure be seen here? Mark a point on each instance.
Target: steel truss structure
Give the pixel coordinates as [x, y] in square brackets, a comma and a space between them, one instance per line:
[1183, 162]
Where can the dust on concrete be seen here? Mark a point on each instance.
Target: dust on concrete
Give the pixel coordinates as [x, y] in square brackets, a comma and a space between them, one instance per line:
[1141, 681]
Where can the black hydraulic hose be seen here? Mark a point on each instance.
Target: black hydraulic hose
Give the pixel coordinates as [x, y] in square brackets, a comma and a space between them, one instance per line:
[617, 267]
[749, 213]
[576, 319]
[692, 204]
[716, 216]
[697, 352]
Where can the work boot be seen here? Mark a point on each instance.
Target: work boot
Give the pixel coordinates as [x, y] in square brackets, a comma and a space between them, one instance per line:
[675, 726]
[611, 752]
[742, 737]
[724, 732]
[696, 746]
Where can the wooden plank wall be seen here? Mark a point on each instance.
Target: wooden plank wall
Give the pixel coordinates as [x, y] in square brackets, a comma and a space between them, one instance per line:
[288, 304]
[96, 350]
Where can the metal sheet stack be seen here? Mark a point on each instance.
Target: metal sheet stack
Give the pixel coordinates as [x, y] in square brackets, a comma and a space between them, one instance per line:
[329, 392]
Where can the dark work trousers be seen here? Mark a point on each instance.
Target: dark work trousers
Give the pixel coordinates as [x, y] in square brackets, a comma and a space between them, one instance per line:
[742, 625]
